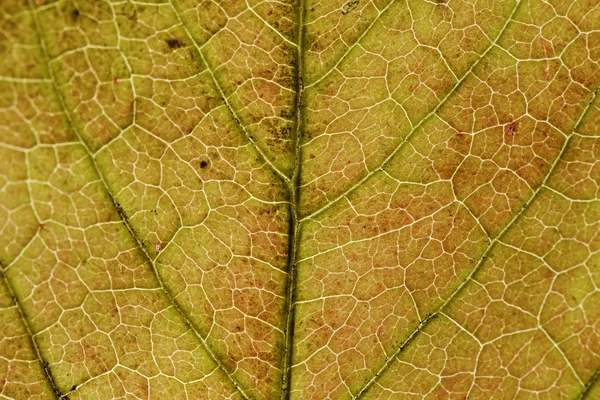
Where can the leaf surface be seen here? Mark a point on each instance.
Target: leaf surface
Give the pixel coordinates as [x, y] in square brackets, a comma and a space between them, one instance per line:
[370, 199]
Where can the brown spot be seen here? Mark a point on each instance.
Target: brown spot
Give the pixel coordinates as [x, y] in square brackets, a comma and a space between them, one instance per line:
[510, 129]
[312, 156]
[349, 6]
[174, 43]
[203, 164]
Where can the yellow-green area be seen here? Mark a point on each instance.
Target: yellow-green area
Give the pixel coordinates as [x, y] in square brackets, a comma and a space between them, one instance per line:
[300, 199]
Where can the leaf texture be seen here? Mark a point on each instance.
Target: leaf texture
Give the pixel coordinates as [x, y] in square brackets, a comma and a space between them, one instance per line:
[309, 199]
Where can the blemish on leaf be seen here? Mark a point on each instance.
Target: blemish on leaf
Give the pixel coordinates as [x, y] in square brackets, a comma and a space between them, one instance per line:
[203, 164]
[158, 247]
[121, 213]
[510, 129]
[129, 11]
[349, 6]
[174, 43]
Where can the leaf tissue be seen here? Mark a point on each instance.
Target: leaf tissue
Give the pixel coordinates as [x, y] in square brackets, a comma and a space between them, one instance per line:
[300, 199]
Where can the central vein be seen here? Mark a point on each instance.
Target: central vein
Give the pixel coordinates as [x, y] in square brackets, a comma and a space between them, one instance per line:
[294, 227]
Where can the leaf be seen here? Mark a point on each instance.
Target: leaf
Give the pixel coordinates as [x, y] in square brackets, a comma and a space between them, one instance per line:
[373, 199]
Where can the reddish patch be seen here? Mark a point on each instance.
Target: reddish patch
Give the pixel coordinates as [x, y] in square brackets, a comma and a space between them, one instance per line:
[459, 133]
[312, 156]
[42, 226]
[510, 129]
[114, 80]
[158, 247]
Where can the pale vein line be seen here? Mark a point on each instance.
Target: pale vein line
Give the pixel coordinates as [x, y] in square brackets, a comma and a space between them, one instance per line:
[255, 13]
[224, 98]
[416, 127]
[497, 239]
[153, 268]
[350, 47]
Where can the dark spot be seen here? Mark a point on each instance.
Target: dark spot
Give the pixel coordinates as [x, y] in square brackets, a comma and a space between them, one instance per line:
[203, 164]
[174, 43]
[121, 213]
[74, 387]
[510, 129]
[75, 14]
[349, 6]
[129, 11]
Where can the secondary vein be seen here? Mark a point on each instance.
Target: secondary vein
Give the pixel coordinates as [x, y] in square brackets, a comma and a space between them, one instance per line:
[169, 296]
[481, 261]
[36, 349]
[416, 127]
[225, 100]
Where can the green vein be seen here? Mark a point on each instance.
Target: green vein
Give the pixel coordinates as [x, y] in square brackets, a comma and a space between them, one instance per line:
[171, 299]
[482, 259]
[418, 125]
[351, 46]
[221, 92]
[34, 345]
[590, 385]
[294, 222]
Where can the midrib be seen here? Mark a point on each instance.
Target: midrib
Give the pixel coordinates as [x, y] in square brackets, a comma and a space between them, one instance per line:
[294, 222]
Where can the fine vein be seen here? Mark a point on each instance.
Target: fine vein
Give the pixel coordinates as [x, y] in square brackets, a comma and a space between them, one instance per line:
[170, 298]
[221, 92]
[38, 355]
[481, 261]
[418, 125]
